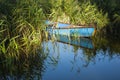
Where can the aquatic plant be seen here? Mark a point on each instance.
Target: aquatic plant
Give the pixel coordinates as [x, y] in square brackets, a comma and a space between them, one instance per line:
[77, 12]
[117, 18]
[21, 28]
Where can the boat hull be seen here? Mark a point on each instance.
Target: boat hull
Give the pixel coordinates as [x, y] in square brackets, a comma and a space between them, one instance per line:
[78, 32]
[70, 30]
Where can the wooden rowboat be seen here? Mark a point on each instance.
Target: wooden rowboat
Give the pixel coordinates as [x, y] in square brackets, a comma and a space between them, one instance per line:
[58, 28]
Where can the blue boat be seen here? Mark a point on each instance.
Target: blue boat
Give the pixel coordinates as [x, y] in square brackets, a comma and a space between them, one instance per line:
[79, 42]
[58, 28]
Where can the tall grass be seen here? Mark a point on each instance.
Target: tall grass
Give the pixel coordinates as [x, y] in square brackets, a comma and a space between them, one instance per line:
[76, 12]
[21, 28]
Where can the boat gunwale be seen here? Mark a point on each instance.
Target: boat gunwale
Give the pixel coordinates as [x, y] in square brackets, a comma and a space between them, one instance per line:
[54, 26]
[71, 27]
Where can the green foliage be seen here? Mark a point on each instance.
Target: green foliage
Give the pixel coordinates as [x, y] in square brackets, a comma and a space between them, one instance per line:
[117, 18]
[76, 12]
[21, 27]
[89, 14]
[112, 7]
[29, 11]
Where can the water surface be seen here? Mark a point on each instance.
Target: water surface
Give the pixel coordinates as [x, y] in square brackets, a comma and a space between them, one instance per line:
[70, 62]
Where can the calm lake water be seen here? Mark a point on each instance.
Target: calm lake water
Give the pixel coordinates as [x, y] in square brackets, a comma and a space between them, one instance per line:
[83, 62]
[68, 59]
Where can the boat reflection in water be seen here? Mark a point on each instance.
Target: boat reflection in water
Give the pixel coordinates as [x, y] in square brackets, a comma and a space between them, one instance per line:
[79, 41]
[70, 61]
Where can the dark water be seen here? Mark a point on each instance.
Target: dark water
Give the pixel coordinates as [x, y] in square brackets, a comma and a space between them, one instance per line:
[74, 59]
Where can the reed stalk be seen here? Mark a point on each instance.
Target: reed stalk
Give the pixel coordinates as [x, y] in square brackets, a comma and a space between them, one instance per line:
[21, 28]
[77, 12]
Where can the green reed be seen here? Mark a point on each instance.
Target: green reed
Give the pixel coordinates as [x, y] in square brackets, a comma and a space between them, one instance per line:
[21, 28]
[76, 12]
